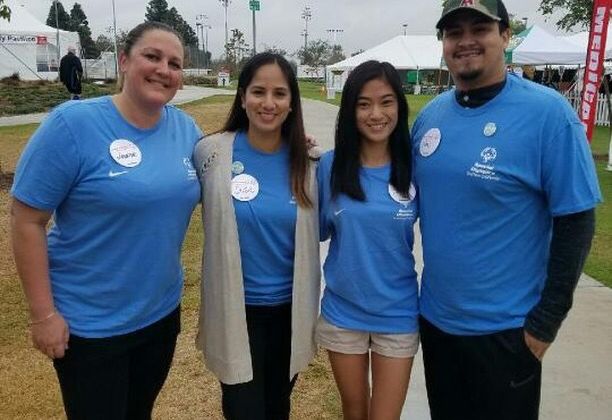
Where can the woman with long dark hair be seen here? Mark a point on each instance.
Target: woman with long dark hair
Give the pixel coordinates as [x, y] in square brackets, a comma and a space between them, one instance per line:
[368, 208]
[260, 281]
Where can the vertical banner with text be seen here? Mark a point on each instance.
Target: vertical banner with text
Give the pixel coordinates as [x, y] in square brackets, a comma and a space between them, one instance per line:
[594, 64]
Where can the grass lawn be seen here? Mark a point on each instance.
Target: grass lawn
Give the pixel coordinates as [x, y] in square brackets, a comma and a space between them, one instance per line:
[19, 97]
[28, 387]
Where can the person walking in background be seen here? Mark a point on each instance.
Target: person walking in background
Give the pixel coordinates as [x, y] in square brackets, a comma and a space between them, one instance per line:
[71, 73]
[507, 190]
[261, 267]
[104, 285]
[368, 207]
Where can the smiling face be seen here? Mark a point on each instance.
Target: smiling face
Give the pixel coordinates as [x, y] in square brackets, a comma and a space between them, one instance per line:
[267, 101]
[153, 69]
[473, 50]
[376, 111]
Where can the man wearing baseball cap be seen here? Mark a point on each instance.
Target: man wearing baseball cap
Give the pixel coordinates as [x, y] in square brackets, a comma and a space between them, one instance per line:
[507, 190]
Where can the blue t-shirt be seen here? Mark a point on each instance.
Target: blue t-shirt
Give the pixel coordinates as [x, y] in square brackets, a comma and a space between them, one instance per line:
[115, 244]
[266, 224]
[490, 181]
[370, 281]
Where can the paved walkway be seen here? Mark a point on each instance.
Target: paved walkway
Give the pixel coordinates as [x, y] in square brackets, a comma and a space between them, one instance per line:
[577, 378]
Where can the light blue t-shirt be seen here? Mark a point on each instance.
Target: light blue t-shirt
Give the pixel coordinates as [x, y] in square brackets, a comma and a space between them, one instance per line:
[370, 281]
[114, 248]
[490, 180]
[266, 224]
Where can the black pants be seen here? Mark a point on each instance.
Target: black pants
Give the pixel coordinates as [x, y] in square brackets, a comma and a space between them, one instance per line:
[267, 396]
[487, 377]
[117, 377]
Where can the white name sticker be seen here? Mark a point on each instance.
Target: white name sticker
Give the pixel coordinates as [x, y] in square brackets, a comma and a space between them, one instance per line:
[430, 142]
[125, 153]
[244, 187]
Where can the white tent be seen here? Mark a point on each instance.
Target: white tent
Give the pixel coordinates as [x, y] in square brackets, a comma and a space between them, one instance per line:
[581, 39]
[404, 52]
[29, 47]
[535, 46]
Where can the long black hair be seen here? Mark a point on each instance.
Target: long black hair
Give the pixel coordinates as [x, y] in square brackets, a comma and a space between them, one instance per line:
[292, 130]
[347, 155]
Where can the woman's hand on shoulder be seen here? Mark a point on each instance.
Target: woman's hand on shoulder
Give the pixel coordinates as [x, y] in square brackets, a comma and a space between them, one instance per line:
[50, 336]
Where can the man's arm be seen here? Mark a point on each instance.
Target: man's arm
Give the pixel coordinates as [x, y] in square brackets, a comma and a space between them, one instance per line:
[569, 248]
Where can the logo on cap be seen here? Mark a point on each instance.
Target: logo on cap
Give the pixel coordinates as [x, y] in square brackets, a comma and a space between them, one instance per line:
[467, 3]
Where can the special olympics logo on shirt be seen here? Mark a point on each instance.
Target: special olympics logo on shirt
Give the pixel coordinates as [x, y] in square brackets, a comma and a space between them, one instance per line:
[488, 154]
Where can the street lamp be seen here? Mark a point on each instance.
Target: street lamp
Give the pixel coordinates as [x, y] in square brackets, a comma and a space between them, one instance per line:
[307, 16]
[225, 3]
[334, 33]
[57, 37]
[115, 41]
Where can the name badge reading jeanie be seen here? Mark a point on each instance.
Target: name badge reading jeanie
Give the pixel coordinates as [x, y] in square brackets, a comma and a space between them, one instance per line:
[125, 153]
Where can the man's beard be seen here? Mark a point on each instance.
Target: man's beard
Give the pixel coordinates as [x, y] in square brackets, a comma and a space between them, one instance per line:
[469, 75]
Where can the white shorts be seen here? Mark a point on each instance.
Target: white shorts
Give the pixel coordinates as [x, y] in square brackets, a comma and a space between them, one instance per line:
[341, 340]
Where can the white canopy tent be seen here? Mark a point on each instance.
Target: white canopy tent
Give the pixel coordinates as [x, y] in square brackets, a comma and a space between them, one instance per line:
[29, 47]
[404, 52]
[581, 39]
[535, 46]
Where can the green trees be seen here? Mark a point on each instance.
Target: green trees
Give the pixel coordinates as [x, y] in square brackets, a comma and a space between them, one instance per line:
[79, 23]
[319, 53]
[76, 21]
[157, 11]
[578, 12]
[5, 11]
[63, 18]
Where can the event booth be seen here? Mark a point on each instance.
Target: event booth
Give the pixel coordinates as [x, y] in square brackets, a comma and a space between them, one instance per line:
[404, 52]
[30, 48]
[535, 46]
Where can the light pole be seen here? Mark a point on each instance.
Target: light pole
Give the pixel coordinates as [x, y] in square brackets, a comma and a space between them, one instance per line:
[200, 22]
[206, 28]
[115, 41]
[225, 3]
[254, 6]
[307, 16]
[334, 34]
[57, 38]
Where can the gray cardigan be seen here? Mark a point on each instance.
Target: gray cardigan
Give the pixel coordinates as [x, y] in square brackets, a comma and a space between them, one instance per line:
[222, 334]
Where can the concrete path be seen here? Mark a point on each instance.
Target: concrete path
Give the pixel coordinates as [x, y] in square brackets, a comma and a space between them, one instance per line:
[577, 378]
[577, 370]
[187, 94]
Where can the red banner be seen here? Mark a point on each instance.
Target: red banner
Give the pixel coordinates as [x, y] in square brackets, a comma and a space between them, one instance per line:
[594, 64]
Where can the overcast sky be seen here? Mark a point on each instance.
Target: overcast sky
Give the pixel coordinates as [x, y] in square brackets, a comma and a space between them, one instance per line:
[279, 23]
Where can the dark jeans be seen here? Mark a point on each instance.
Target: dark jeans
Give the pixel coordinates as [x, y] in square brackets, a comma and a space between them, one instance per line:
[487, 377]
[117, 377]
[267, 396]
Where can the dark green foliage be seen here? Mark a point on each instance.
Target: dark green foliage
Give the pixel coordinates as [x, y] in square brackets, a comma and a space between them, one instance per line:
[5, 11]
[79, 23]
[63, 18]
[157, 11]
[576, 12]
